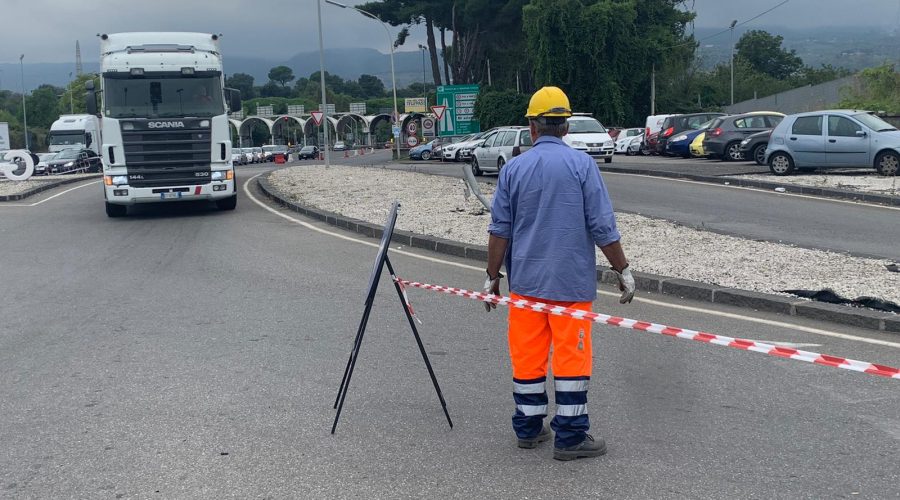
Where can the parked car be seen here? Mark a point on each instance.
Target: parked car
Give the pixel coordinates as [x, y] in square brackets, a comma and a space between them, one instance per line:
[588, 135]
[453, 152]
[675, 124]
[437, 151]
[41, 167]
[649, 146]
[238, 157]
[697, 150]
[725, 134]
[652, 128]
[680, 145]
[258, 155]
[498, 147]
[75, 160]
[308, 152]
[834, 139]
[423, 151]
[339, 146]
[630, 145]
[625, 135]
[754, 146]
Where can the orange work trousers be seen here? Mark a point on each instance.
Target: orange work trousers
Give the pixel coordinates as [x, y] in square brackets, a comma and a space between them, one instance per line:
[532, 333]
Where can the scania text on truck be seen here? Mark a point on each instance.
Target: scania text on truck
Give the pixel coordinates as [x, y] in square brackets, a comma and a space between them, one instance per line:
[164, 118]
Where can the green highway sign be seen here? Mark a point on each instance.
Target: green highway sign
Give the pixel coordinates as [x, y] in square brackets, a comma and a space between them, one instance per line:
[459, 117]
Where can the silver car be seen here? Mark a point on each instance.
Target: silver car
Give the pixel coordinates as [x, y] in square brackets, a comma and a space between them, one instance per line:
[499, 147]
[836, 138]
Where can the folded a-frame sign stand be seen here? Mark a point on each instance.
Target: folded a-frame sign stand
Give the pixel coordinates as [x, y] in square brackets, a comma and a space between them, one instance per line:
[380, 261]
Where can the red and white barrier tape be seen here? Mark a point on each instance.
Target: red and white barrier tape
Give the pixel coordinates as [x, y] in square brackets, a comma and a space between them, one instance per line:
[709, 338]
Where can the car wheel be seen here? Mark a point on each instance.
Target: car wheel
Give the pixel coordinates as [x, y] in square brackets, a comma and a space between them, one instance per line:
[781, 164]
[733, 152]
[887, 163]
[113, 210]
[456, 157]
[500, 164]
[630, 152]
[759, 154]
[476, 170]
[426, 155]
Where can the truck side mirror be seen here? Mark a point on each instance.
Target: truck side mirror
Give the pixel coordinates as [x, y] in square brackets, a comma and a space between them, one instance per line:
[234, 99]
[90, 97]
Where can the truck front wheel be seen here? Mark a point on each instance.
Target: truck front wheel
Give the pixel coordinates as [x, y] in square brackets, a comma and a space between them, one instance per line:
[227, 203]
[113, 210]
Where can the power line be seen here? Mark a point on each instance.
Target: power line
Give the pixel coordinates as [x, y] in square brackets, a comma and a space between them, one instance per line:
[726, 30]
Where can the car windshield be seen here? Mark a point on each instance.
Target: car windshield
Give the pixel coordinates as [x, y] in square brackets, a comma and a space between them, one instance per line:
[308, 149]
[269, 149]
[280, 149]
[66, 138]
[162, 96]
[705, 125]
[46, 156]
[874, 123]
[585, 126]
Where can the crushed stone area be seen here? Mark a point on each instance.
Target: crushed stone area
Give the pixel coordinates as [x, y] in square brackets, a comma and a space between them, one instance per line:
[8, 187]
[436, 206]
[849, 180]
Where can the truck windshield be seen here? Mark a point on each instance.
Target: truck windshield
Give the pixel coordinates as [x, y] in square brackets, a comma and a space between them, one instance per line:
[163, 97]
[66, 138]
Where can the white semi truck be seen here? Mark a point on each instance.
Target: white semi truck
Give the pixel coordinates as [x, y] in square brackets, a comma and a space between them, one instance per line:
[75, 131]
[164, 117]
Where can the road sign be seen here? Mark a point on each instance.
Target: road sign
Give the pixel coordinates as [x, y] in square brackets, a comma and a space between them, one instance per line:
[317, 117]
[411, 128]
[428, 127]
[296, 109]
[459, 116]
[414, 105]
[438, 111]
[265, 111]
[412, 141]
[358, 108]
[396, 130]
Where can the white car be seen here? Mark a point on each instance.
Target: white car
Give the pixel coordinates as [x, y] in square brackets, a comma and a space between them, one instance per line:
[339, 146]
[451, 152]
[588, 135]
[629, 141]
[498, 147]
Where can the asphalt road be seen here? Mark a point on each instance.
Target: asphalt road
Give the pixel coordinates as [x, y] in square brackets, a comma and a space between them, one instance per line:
[184, 352]
[855, 228]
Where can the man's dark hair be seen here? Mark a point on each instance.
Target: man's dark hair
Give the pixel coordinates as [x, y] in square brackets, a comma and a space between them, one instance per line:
[555, 126]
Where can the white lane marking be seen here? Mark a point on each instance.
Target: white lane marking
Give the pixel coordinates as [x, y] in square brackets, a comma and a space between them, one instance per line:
[48, 198]
[750, 319]
[758, 190]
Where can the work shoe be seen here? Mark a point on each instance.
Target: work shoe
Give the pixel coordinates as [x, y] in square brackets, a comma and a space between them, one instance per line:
[587, 448]
[530, 443]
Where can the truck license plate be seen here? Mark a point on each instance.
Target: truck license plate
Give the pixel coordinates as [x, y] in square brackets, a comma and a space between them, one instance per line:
[169, 196]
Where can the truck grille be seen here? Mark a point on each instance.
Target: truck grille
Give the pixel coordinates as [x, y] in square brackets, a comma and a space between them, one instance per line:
[167, 156]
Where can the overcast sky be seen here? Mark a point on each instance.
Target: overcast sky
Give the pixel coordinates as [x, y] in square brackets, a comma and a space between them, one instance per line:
[46, 30]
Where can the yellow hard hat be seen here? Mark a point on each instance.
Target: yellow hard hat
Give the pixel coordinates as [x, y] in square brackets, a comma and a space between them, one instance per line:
[549, 102]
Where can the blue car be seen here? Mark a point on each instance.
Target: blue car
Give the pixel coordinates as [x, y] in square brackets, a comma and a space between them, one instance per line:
[680, 145]
[423, 151]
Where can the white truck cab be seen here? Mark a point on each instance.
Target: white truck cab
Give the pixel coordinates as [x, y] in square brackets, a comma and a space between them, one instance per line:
[588, 135]
[75, 132]
[166, 134]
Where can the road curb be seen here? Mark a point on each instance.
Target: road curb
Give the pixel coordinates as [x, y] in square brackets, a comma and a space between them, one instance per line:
[845, 315]
[45, 187]
[838, 194]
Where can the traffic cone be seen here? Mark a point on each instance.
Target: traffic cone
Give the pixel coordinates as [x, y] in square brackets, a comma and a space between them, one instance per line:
[346, 154]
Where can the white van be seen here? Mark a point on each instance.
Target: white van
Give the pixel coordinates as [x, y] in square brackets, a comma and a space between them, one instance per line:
[75, 132]
[588, 135]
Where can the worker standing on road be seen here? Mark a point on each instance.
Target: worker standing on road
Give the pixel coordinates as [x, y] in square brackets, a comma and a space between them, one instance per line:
[549, 211]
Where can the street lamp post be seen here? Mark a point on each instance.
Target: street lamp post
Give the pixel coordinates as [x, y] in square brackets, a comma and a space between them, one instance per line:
[391, 44]
[732, 59]
[24, 111]
[424, 91]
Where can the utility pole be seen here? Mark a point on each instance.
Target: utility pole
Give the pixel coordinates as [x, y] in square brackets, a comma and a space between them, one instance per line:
[24, 111]
[424, 91]
[653, 90]
[732, 59]
[489, 72]
[322, 83]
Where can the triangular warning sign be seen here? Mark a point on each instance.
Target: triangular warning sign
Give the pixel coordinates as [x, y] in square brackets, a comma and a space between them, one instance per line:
[438, 111]
[317, 117]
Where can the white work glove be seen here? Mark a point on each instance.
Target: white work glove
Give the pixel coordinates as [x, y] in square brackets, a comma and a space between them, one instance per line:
[626, 284]
[491, 286]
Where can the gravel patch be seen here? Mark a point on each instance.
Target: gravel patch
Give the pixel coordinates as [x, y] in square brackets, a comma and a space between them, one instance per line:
[850, 180]
[436, 206]
[8, 187]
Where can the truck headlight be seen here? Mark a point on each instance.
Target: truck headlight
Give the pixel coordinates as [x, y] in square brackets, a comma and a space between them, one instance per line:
[119, 180]
[218, 175]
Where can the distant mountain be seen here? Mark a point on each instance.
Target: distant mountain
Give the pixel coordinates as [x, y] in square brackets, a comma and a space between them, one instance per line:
[347, 63]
